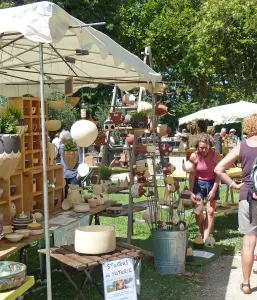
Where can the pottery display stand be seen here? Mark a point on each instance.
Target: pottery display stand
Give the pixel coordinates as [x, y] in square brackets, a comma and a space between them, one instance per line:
[33, 181]
[7, 199]
[31, 150]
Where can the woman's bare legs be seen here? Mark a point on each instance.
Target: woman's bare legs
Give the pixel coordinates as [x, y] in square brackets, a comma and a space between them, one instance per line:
[249, 243]
[209, 220]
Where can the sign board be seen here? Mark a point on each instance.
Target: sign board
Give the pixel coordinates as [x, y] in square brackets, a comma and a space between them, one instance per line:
[119, 280]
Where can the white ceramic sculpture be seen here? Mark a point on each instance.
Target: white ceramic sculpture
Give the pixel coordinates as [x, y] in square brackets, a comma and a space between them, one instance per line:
[52, 153]
[95, 239]
[84, 133]
[187, 166]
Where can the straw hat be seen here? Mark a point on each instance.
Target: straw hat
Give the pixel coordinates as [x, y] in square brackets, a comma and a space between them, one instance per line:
[232, 130]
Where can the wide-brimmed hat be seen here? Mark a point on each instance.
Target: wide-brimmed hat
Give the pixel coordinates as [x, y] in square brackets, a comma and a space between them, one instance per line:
[232, 130]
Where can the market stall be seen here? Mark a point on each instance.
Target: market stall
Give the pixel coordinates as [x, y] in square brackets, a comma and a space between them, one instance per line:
[42, 45]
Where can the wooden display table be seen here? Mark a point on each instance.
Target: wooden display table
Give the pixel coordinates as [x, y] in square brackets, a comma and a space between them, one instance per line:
[13, 294]
[67, 257]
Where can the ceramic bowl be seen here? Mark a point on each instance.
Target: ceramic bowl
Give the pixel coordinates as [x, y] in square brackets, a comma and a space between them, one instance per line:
[81, 207]
[12, 275]
[38, 214]
[1, 192]
[92, 203]
[7, 229]
[14, 237]
[25, 232]
[12, 189]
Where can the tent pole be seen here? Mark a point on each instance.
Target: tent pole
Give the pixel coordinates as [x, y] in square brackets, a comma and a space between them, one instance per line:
[44, 147]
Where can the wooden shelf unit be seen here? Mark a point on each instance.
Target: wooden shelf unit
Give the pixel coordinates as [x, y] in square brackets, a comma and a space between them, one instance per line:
[34, 198]
[16, 198]
[31, 149]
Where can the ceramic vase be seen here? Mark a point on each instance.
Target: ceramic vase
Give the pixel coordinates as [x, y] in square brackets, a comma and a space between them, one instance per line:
[52, 153]
[10, 154]
[70, 158]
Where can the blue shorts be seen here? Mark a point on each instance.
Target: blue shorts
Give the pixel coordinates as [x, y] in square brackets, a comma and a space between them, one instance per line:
[203, 187]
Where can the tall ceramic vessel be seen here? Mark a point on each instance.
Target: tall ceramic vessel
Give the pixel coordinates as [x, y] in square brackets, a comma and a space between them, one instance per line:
[10, 154]
[70, 158]
[52, 153]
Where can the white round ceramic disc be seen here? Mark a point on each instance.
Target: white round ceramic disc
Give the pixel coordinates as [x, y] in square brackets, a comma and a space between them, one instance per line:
[83, 169]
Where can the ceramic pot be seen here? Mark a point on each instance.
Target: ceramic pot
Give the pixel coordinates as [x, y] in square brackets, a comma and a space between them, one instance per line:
[73, 100]
[187, 166]
[57, 104]
[128, 99]
[52, 153]
[10, 154]
[70, 158]
[117, 117]
[160, 109]
[84, 133]
[21, 222]
[34, 109]
[99, 239]
[100, 140]
[139, 122]
[53, 125]
[137, 190]
[168, 169]
[12, 189]
[130, 139]
[13, 274]
[145, 106]
[74, 195]
[13, 209]
[92, 203]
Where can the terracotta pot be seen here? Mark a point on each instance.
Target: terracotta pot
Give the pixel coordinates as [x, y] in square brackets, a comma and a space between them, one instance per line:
[130, 139]
[73, 100]
[117, 117]
[10, 154]
[70, 158]
[57, 104]
[100, 140]
[160, 109]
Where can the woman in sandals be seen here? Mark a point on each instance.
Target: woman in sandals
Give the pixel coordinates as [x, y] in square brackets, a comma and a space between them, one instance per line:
[204, 183]
[246, 152]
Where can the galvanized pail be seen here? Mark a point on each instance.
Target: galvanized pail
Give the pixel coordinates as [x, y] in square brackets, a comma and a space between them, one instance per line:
[169, 251]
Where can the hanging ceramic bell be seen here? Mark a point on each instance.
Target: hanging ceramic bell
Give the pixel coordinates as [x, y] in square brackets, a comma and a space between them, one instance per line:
[109, 125]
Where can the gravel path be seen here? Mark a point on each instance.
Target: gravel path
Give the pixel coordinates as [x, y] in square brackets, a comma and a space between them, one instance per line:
[223, 280]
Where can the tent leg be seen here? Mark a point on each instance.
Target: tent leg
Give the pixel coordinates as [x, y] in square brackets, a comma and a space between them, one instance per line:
[44, 147]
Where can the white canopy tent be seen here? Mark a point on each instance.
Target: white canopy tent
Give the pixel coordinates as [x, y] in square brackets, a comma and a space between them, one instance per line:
[223, 114]
[41, 45]
[84, 53]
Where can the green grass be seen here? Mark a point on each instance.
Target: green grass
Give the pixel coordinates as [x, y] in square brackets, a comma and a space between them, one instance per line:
[153, 285]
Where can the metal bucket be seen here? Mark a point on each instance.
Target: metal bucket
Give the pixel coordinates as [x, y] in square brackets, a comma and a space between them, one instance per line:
[169, 251]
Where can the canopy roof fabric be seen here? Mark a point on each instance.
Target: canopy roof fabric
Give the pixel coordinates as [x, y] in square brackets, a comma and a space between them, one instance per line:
[223, 114]
[84, 53]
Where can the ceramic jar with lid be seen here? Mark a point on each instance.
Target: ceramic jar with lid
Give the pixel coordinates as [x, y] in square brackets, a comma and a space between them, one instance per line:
[35, 228]
[22, 221]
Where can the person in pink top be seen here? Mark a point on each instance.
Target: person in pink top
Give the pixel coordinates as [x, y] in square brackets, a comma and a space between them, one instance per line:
[204, 183]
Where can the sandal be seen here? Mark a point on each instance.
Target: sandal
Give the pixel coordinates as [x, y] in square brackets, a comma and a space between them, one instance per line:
[245, 288]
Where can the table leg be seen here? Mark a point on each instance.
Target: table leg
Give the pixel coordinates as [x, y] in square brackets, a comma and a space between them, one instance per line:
[42, 260]
[92, 280]
[227, 193]
[79, 291]
[24, 255]
[97, 219]
[232, 195]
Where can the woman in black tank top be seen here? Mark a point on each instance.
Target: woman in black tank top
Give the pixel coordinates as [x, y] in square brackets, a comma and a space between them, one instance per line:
[246, 152]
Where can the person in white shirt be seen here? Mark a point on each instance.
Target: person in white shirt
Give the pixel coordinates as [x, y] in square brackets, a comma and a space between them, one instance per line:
[56, 140]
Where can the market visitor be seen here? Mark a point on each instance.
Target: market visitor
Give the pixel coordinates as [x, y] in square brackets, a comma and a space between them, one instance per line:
[232, 133]
[204, 183]
[223, 134]
[246, 152]
[71, 176]
[57, 140]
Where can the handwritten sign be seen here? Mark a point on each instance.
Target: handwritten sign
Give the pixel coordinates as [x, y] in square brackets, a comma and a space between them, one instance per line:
[119, 280]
